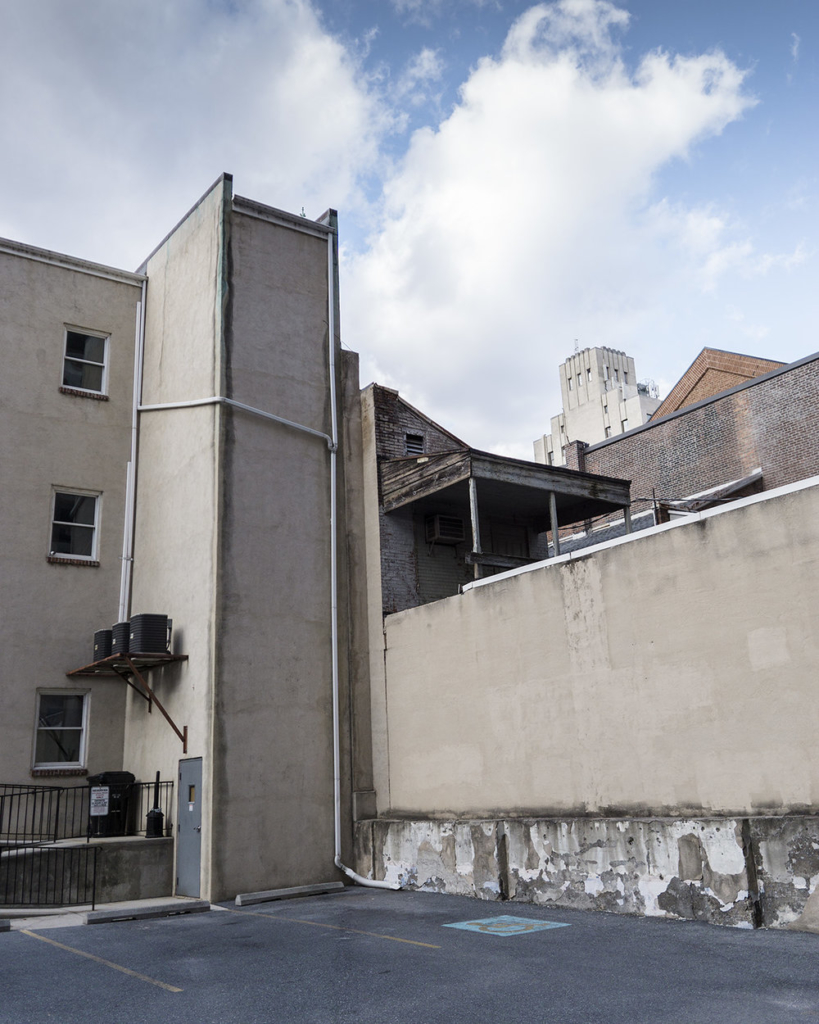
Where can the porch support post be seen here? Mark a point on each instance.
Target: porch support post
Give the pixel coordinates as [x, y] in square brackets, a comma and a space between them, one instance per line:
[476, 529]
[627, 518]
[555, 527]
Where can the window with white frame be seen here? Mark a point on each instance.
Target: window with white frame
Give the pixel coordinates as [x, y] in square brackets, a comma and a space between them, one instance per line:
[74, 525]
[61, 729]
[84, 366]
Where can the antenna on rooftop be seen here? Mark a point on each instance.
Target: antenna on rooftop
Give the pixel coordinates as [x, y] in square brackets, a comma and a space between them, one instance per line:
[576, 346]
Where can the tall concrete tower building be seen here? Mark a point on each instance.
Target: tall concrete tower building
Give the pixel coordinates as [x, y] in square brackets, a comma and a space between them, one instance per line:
[601, 398]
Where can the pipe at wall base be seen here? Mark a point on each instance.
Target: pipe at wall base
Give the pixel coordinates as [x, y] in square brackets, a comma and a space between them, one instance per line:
[371, 883]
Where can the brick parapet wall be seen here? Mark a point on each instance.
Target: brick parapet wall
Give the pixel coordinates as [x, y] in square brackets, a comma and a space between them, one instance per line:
[575, 454]
[711, 372]
[773, 424]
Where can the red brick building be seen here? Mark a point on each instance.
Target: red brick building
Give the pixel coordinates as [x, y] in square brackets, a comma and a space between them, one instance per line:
[757, 434]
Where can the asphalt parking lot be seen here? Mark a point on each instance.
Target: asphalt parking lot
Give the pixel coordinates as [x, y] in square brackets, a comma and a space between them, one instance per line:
[366, 956]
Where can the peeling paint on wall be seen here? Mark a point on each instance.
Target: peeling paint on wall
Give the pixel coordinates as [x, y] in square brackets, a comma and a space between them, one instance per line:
[787, 859]
[690, 869]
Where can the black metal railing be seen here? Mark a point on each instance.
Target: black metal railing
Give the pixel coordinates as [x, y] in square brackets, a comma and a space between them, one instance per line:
[144, 798]
[49, 876]
[47, 814]
[42, 814]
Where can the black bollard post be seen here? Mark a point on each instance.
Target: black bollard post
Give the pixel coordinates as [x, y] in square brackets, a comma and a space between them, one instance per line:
[155, 826]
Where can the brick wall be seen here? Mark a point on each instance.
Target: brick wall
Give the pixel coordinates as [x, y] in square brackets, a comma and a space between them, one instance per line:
[399, 565]
[395, 418]
[410, 574]
[711, 372]
[770, 423]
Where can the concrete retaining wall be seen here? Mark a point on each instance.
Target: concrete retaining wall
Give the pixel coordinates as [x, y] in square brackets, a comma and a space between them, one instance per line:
[745, 872]
[129, 868]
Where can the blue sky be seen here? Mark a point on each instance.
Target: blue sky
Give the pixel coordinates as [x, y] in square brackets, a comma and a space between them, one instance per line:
[509, 176]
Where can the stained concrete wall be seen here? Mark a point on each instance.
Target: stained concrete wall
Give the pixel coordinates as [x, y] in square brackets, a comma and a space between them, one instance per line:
[671, 673]
[233, 541]
[179, 494]
[273, 816]
[51, 439]
[629, 728]
[126, 869]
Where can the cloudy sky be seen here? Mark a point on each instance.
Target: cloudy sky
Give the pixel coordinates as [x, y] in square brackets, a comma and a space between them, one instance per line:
[512, 179]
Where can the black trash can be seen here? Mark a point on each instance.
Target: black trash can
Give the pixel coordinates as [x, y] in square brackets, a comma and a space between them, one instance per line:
[117, 820]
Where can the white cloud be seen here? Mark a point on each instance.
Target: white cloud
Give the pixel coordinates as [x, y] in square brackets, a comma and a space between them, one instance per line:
[424, 12]
[756, 332]
[711, 246]
[524, 220]
[795, 44]
[421, 73]
[110, 112]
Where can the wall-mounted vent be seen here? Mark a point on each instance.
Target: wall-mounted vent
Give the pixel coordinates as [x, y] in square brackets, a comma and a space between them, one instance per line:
[414, 444]
[444, 530]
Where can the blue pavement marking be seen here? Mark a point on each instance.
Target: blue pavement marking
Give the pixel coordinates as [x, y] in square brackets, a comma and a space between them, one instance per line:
[505, 925]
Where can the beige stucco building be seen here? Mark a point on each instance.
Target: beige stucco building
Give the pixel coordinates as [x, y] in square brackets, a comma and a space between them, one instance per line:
[180, 442]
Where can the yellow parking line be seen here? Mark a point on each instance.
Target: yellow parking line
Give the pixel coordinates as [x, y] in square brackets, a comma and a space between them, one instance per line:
[335, 927]
[99, 960]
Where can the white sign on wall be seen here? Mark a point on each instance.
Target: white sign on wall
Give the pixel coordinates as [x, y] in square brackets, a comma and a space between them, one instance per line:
[99, 800]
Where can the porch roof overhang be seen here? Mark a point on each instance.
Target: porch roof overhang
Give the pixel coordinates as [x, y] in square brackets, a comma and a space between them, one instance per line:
[507, 487]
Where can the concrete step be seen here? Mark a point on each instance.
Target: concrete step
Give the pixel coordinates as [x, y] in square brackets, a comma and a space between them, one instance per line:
[246, 899]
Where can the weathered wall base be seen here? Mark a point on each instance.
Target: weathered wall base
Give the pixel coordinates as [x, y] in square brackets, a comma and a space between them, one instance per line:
[745, 872]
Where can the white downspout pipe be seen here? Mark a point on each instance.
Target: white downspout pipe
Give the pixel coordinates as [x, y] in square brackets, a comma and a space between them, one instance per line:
[331, 333]
[130, 473]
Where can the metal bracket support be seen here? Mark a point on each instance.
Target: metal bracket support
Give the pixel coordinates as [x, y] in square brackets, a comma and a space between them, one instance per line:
[151, 696]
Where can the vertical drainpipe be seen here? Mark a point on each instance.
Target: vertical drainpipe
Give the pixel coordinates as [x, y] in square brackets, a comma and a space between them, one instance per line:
[331, 336]
[130, 473]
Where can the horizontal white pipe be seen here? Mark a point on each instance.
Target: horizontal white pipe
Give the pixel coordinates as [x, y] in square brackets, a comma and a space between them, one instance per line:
[221, 400]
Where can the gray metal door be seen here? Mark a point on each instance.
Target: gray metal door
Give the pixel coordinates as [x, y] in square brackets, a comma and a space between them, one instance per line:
[189, 830]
